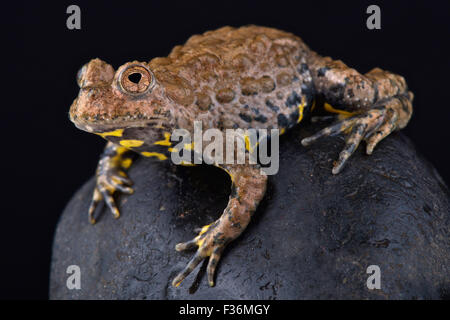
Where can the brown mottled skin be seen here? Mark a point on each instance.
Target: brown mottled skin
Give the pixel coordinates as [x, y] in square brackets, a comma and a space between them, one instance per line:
[248, 77]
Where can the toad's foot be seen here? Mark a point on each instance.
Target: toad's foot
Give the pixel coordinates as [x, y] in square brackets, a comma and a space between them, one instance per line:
[107, 184]
[371, 126]
[111, 178]
[210, 242]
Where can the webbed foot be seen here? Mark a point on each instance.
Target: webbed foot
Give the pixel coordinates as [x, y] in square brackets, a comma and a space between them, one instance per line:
[111, 178]
[210, 243]
[371, 126]
[107, 184]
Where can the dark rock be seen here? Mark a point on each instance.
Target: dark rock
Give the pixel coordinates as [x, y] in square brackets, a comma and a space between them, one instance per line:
[312, 237]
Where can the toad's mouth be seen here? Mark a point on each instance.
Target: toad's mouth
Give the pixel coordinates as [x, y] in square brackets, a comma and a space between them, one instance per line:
[104, 127]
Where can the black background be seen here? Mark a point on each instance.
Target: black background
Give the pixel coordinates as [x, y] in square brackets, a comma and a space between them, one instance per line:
[45, 158]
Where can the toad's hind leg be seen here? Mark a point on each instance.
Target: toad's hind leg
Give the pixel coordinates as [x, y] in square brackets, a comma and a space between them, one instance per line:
[247, 190]
[375, 104]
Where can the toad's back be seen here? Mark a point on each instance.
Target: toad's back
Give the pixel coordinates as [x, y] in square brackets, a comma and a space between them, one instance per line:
[239, 78]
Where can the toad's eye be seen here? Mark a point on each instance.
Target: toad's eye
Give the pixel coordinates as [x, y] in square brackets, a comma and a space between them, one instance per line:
[136, 80]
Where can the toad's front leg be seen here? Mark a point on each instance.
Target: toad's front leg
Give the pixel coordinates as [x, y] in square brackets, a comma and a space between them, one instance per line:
[247, 189]
[111, 177]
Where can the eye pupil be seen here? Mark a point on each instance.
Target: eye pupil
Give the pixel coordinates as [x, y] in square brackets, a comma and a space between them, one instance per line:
[135, 77]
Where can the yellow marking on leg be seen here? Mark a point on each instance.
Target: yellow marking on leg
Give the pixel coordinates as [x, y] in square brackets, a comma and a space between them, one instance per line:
[189, 146]
[166, 141]
[300, 109]
[109, 188]
[247, 143]
[204, 229]
[116, 180]
[282, 131]
[116, 160]
[186, 163]
[173, 150]
[126, 163]
[348, 130]
[121, 150]
[160, 156]
[131, 143]
[344, 113]
[200, 242]
[249, 147]
[115, 133]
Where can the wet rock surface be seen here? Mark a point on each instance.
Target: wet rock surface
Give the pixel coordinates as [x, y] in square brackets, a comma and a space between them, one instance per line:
[313, 236]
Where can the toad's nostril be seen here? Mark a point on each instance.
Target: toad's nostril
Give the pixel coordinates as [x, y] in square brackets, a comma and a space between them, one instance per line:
[135, 77]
